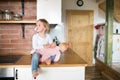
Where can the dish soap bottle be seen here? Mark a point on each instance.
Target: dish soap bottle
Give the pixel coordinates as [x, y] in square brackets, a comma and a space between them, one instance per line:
[56, 41]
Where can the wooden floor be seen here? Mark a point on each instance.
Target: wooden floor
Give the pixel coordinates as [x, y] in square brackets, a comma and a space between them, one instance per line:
[92, 74]
[109, 71]
[116, 66]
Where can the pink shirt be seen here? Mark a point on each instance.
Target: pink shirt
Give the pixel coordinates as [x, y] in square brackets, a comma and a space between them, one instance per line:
[47, 52]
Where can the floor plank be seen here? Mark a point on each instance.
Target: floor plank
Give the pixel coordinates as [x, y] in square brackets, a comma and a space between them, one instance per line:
[92, 73]
[109, 71]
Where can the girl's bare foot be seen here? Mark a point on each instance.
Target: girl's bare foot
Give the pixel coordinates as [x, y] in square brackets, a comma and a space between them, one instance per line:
[35, 74]
[48, 61]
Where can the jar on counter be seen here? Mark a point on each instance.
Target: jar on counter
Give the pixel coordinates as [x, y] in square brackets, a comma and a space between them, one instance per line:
[7, 15]
[1, 14]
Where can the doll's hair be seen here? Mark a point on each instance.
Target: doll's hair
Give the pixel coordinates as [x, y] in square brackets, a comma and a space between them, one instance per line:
[64, 45]
[46, 24]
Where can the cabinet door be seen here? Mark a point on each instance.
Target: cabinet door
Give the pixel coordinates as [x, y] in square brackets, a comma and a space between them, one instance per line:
[61, 73]
[23, 74]
[50, 10]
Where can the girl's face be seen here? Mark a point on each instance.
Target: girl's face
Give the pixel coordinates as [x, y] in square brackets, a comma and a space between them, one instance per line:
[40, 27]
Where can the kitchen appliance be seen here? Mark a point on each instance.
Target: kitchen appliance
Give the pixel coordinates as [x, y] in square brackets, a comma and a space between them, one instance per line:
[7, 74]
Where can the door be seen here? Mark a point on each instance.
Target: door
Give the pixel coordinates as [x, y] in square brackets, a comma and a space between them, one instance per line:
[80, 33]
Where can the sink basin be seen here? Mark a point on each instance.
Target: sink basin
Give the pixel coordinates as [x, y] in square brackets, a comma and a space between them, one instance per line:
[9, 58]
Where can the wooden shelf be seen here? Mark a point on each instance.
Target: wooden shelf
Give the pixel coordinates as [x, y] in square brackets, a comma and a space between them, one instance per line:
[21, 21]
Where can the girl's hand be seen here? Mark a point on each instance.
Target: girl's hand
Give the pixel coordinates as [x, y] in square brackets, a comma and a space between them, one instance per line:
[50, 45]
[47, 46]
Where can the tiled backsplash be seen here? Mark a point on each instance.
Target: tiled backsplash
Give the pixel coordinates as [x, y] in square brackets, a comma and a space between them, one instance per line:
[58, 31]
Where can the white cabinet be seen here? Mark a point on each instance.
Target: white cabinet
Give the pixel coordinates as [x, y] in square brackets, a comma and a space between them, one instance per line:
[52, 73]
[23, 74]
[50, 10]
[62, 73]
[116, 48]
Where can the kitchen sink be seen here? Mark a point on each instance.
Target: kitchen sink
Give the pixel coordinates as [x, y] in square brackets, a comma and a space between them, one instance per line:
[9, 58]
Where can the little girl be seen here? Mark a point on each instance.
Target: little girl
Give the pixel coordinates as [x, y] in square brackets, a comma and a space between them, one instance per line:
[40, 40]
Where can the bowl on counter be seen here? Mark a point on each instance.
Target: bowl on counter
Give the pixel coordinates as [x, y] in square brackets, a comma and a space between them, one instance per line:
[17, 17]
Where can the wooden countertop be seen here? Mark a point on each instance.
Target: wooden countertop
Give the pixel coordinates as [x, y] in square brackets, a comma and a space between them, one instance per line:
[68, 59]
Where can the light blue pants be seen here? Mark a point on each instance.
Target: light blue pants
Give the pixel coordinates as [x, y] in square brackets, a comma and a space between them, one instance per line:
[35, 60]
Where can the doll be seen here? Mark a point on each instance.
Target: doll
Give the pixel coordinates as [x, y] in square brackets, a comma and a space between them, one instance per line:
[56, 52]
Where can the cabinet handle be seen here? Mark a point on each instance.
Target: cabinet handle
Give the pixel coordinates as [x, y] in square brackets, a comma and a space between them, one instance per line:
[16, 74]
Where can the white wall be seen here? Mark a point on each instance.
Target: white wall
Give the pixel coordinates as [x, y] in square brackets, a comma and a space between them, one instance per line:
[59, 32]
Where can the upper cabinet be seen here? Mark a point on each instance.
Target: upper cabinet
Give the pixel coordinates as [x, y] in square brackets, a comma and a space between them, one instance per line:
[49, 10]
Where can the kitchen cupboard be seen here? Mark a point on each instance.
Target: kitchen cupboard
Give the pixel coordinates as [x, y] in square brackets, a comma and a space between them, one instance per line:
[23, 74]
[52, 73]
[62, 73]
[50, 10]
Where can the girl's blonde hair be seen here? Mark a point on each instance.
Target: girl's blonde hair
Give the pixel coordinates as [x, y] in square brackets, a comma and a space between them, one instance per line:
[46, 24]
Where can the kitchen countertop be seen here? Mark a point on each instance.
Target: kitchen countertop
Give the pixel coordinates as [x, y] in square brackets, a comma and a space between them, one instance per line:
[68, 59]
